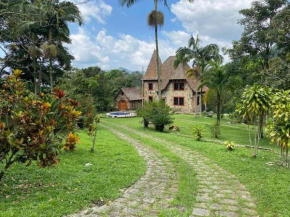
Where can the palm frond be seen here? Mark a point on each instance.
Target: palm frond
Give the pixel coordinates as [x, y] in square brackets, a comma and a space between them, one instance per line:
[155, 18]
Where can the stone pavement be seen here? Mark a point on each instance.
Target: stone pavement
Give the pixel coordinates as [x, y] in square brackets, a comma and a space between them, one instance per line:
[219, 193]
[149, 195]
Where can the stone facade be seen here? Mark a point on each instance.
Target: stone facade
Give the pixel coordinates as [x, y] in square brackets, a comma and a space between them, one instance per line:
[128, 99]
[181, 98]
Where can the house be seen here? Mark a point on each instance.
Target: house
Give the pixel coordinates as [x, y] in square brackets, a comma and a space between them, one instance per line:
[128, 98]
[177, 89]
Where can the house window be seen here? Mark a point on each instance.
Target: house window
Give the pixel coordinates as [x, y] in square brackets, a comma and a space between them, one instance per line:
[179, 101]
[122, 93]
[197, 100]
[150, 98]
[150, 86]
[178, 85]
[133, 104]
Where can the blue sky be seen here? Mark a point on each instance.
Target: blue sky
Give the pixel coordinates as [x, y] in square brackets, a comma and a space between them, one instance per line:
[114, 36]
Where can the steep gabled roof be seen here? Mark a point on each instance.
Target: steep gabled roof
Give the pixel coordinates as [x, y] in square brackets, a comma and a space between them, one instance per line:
[131, 93]
[169, 73]
[151, 73]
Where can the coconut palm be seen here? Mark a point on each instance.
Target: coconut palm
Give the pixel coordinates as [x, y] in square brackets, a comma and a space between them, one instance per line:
[154, 19]
[201, 57]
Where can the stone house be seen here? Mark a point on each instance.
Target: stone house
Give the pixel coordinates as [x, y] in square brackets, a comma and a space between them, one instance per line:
[128, 98]
[177, 89]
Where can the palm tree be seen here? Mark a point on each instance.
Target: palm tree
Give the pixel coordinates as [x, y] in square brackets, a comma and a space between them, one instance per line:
[55, 16]
[154, 19]
[216, 78]
[201, 57]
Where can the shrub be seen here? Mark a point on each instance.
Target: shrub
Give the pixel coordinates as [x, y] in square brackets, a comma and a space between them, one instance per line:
[215, 130]
[30, 125]
[161, 120]
[145, 112]
[198, 132]
[230, 145]
[156, 112]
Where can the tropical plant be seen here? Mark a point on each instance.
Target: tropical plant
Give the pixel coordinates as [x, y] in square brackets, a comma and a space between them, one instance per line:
[216, 78]
[279, 128]
[198, 132]
[33, 127]
[215, 130]
[154, 19]
[93, 131]
[255, 104]
[145, 112]
[201, 57]
[230, 145]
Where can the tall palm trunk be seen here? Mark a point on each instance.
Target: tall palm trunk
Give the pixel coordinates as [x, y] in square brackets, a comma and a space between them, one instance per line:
[157, 53]
[200, 103]
[40, 77]
[50, 62]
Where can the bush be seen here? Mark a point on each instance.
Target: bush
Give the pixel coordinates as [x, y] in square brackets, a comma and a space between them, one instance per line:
[161, 120]
[198, 132]
[230, 145]
[156, 112]
[30, 124]
[145, 112]
[215, 130]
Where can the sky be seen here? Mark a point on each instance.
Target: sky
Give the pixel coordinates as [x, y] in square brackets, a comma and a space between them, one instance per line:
[113, 36]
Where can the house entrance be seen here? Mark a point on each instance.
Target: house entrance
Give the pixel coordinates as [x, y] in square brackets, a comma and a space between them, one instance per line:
[122, 105]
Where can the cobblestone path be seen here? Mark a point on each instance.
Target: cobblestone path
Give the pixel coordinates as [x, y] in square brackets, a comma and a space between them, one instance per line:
[149, 195]
[219, 193]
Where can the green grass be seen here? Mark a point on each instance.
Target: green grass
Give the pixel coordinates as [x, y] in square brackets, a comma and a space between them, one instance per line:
[70, 186]
[229, 132]
[269, 185]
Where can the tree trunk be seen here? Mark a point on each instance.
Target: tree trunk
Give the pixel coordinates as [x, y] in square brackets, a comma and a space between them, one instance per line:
[157, 54]
[40, 78]
[218, 109]
[34, 75]
[94, 142]
[9, 162]
[200, 102]
[50, 74]
[261, 121]
[50, 62]
[195, 104]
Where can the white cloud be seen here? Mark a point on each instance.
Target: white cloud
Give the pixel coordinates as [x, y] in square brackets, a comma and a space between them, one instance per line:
[179, 38]
[212, 18]
[94, 9]
[109, 52]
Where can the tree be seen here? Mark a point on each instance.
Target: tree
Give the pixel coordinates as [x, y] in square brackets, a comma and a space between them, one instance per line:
[154, 19]
[279, 128]
[56, 15]
[30, 25]
[256, 43]
[32, 128]
[217, 79]
[255, 103]
[200, 56]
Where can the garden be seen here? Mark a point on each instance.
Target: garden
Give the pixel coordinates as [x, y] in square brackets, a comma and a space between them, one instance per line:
[60, 155]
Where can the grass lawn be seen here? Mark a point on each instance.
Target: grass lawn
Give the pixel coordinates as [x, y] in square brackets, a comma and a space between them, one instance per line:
[268, 184]
[70, 186]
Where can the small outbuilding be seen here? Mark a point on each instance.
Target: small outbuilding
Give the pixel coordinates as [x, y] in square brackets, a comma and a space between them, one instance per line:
[128, 98]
